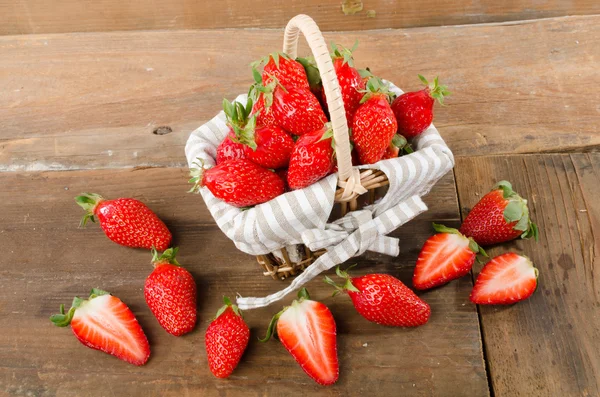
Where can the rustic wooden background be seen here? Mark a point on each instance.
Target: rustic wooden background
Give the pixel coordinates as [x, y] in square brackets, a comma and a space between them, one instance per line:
[85, 86]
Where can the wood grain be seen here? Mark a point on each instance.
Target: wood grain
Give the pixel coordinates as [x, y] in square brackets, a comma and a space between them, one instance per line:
[59, 261]
[38, 16]
[73, 101]
[547, 345]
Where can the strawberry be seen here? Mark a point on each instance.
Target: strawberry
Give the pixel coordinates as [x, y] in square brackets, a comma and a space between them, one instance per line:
[374, 124]
[501, 215]
[240, 182]
[506, 279]
[125, 221]
[445, 256]
[103, 322]
[352, 85]
[264, 116]
[383, 299]
[228, 149]
[267, 146]
[226, 340]
[290, 73]
[295, 109]
[312, 158]
[170, 293]
[414, 110]
[398, 145]
[307, 330]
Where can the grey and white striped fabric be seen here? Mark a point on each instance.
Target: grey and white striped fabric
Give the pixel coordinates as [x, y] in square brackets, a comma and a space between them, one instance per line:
[300, 216]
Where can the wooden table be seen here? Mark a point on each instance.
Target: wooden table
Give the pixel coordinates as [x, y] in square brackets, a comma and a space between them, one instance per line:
[79, 111]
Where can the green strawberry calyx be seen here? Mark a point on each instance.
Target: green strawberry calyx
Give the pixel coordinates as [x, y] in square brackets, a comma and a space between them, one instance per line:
[436, 91]
[167, 257]
[267, 58]
[63, 319]
[376, 87]
[196, 175]
[517, 211]
[240, 121]
[340, 52]
[272, 330]
[312, 72]
[347, 286]
[328, 134]
[228, 304]
[89, 202]
[473, 246]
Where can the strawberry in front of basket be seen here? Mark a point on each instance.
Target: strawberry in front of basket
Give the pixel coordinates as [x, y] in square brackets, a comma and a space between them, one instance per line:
[312, 158]
[501, 215]
[288, 72]
[170, 293]
[383, 299]
[445, 256]
[103, 322]
[240, 182]
[125, 221]
[374, 124]
[226, 340]
[352, 85]
[307, 330]
[267, 146]
[506, 279]
[414, 110]
[295, 109]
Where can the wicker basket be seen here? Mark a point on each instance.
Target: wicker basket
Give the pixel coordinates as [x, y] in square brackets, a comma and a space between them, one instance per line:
[270, 230]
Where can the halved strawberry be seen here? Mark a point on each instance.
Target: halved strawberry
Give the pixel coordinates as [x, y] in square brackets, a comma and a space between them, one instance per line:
[103, 322]
[307, 330]
[506, 279]
[445, 256]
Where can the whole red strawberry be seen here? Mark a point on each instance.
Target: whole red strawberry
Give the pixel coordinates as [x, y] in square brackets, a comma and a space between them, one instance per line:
[312, 158]
[501, 215]
[384, 299]
[414, 110]
[170, 293]
[307, 330]
[226, 340]
[240, 183]
[287, 71]
[374, 124]
[267, 146]
[352, 85]
[230, 150]
[125, 221]
[103, 322]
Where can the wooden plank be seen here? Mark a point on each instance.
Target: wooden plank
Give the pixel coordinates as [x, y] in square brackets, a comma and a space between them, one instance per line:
[38, 16]
[93, 100]
[441, 358]
[547, 345]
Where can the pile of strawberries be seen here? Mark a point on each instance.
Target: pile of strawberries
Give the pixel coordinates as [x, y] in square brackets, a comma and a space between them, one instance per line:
[280, 139]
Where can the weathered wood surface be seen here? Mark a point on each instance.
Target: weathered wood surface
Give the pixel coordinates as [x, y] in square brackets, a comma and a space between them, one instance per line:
[547, 345]
[38, 16]
[72, 101]
[47, 260]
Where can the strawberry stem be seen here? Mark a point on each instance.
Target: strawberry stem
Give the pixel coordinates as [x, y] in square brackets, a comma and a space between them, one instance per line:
[63, 319]
[227, 304]
[517, 211]
[436, 91]
[167, 257]
[89, 202]
[347, 286]
[196, 175]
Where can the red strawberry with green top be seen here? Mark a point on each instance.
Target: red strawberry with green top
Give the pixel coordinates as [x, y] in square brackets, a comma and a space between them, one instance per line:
[383, 299]
[445, 256]
[267, 146]
[295, 109]
[125, 221]
[103, 322]
[352, 85]
[414, 110]
[307, 330]
[230, 150]
[226, 340]
[240, 183]
[506, 279]
[501, 215]
[312, 158]
[170, 293]
[290, 73]
[374, 124]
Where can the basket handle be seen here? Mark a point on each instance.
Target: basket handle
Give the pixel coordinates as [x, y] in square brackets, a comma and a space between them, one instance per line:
[348, 177]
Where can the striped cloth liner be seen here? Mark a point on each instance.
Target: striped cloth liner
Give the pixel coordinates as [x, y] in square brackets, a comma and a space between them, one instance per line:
[300, 216]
